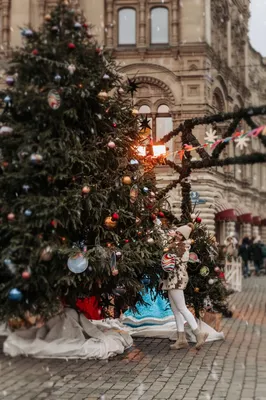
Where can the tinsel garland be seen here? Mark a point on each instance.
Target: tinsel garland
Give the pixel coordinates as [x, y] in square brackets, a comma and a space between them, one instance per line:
[221, 146]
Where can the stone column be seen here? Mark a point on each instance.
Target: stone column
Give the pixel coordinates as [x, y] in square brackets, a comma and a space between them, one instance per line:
[247, 231]
[174, 39]
[142, 42]
[230, 228]
[255, 231]
[109, 19]
[5, 24]
[229, 44]
[263, 234]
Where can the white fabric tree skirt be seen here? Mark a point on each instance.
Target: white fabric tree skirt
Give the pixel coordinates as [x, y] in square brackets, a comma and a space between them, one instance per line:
[71, 336]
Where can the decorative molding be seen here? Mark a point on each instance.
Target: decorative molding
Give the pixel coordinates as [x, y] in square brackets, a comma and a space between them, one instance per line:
[160, 84]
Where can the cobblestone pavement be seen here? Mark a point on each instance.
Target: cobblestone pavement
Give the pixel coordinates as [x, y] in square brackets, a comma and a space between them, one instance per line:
[231, 370]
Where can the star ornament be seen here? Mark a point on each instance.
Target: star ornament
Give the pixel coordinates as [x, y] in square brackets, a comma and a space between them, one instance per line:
[211, 136]
[145, 125]
[133, 86]
[242, 142]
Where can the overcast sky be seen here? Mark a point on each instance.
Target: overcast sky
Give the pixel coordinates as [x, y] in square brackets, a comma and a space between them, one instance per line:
[258, 25]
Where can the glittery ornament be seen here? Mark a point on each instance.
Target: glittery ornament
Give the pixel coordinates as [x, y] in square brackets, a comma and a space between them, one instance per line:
[36, 158]
[11, 217]
[26, 275]
[126, 180]
[57, 78]
[109, 223]
[10, 81]
[71, 69]
[146, 280]
[28, 213]
[7, 99]
[115, 217]
[103, 95]
[86, 190]
[135, 112]
[71, 46]
[204, 271]
[77, 264]
[15, 295]
[111, 144]
[54, 99]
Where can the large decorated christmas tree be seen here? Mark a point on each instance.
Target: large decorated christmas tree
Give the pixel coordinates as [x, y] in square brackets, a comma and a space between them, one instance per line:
[77, 210]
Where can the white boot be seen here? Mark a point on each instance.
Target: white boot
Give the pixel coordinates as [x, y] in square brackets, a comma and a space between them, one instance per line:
[181, 342]
[201, 338]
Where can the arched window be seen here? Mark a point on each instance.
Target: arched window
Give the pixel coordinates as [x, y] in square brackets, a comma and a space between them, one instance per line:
[127, 26]
[218, 101]
[144, 110]
[159, 25]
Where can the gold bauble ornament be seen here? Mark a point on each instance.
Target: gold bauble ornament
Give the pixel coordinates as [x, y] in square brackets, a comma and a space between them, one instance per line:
[47, 17]
[196, 290]
[109, 223]
[135, 112]
[126, 180]
[103, 95]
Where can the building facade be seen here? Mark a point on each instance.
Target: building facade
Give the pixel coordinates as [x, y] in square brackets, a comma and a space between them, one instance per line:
[192, 58]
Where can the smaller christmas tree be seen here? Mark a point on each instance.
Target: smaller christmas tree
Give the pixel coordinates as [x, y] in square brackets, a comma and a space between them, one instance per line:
[206, 288]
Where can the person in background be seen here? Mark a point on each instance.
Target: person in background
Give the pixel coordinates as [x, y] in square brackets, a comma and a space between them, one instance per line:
[257, 255]
[231, 247]
[244, 253]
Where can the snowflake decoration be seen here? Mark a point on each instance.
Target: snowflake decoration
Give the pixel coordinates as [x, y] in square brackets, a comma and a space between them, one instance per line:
[211, 136]
[242, 142]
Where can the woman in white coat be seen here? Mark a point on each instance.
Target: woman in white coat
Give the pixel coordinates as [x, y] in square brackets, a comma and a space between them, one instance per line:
[175, 283]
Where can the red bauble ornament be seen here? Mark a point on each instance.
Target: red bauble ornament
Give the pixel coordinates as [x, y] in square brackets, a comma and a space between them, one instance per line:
[221, 275]
[115, 216]
[35, 52]
[126, 240]
[54, 223]
[160, 214]
[11, 217]
[25, 275]
[153, 217]
[71, 46]
[198, 220]
[85, 25]
[86, 190]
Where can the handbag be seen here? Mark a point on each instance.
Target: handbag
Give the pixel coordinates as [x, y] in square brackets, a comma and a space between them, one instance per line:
[168, 262]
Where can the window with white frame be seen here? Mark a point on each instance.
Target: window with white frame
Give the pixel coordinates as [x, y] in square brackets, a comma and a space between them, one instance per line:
[160, 122]
[127, 26]
[159, 25]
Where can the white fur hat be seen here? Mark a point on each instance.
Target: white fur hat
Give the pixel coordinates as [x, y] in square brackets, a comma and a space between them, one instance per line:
[185, 230]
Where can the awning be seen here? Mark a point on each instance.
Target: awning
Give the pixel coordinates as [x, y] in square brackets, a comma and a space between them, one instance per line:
[224, 211]
[244, 215]
[256, 220]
